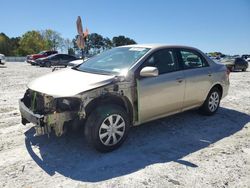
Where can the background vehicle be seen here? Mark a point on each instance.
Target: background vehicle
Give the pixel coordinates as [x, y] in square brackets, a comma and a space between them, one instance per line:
[248, 60]
[124, 87]
[55, 60]
[31, 58]
[235, 63]
[245, 56]
[2, 59]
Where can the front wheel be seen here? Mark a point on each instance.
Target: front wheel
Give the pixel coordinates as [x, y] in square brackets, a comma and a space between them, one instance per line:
[212, 102]
[107, 127]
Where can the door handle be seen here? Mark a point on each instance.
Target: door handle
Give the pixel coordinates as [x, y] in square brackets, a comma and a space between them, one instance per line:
[209, 74]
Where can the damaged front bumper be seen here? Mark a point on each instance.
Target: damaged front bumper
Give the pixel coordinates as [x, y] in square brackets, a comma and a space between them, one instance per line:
[44, 123]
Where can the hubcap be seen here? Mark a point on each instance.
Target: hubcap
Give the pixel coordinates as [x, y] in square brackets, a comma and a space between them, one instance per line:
[112, 130]
[213, 101]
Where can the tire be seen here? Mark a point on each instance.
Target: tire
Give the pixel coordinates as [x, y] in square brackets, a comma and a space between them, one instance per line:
[244, 70]
[99, 132]
[47, 64]
[212, 102]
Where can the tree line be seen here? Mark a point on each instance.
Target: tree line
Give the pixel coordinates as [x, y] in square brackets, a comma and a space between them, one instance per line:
[33, 42]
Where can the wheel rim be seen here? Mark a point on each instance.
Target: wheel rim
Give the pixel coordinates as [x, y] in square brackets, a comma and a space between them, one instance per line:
[112, 130]
[213, 101]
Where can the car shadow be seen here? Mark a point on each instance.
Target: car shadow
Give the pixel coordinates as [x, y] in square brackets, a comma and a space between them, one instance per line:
[161, 141]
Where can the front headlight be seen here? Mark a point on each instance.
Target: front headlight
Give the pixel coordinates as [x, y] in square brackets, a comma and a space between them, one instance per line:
[68, 104]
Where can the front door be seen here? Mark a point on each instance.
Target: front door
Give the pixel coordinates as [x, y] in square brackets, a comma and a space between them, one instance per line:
[161, 95]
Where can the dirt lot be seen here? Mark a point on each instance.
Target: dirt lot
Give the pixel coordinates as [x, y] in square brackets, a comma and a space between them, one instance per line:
[185, 150]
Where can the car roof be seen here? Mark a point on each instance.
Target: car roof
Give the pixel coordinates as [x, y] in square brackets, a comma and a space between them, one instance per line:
[156, 46]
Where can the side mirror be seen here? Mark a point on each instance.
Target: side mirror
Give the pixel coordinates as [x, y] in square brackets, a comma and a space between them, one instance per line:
[149, 72]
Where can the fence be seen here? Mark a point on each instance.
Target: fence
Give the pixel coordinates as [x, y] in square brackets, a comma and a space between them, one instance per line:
[15, 59]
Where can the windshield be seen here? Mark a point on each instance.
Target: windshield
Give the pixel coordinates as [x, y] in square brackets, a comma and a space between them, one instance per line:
[42, 52]
[115, 61]
[51, 56]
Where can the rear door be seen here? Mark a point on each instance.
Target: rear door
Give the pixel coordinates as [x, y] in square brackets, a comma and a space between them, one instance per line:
[163, 94]
[198, 77]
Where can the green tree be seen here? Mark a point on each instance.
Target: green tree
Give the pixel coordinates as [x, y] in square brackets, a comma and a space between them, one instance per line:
[95, 41]
[8, 46]
[216, 54]
[14, 45]
[94, 44]
[107, 43]
[4, 44]
[31, 42]
[122, 40]
[68, 46]
[53, 39]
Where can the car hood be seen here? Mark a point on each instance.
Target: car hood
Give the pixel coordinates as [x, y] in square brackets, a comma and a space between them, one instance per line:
[68, 82]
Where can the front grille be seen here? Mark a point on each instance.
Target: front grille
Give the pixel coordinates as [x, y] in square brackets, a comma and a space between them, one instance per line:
[27, 99]
[39, 104]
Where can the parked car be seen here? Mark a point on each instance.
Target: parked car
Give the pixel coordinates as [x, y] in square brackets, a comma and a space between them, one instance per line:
[248, 60]
[123, 87]
[55, 60]
[31, 58]
[235, 63]
[245, 56]
[2, 59]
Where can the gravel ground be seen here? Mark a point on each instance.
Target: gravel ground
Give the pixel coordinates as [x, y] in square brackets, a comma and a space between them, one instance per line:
[185, 150]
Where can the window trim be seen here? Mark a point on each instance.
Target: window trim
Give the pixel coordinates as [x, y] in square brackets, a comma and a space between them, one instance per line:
[181, 63]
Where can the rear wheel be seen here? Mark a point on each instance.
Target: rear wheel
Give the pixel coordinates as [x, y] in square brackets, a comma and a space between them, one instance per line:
[212, 102]
[107, 127]
[47, 64]
[244, 70]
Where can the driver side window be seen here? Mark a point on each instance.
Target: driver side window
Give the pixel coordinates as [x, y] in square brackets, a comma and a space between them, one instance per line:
[163, 60]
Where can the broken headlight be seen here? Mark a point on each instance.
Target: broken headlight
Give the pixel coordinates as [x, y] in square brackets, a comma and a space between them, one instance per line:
[68, 104]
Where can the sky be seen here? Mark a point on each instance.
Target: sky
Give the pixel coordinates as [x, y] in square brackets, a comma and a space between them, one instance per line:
[210, 25]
